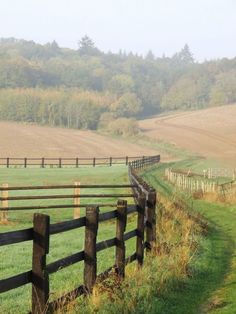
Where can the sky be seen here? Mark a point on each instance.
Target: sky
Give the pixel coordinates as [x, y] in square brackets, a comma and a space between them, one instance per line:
[163, 26]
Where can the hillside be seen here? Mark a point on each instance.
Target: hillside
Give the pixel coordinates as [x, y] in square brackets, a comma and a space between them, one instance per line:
[210, 132]
[20, 140]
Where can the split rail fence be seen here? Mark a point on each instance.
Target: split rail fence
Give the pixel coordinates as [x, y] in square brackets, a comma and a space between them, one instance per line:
[145, 233]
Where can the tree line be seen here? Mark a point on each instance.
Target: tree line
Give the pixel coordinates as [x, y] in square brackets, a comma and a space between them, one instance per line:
[87, 88]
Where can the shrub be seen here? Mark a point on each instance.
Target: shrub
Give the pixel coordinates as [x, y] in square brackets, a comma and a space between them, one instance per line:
[123, 127]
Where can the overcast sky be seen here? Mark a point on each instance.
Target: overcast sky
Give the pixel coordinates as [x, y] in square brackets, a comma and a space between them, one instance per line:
[164, 26]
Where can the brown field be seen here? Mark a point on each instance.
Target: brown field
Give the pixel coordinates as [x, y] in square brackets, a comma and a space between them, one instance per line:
[22, 140]
[210, 132]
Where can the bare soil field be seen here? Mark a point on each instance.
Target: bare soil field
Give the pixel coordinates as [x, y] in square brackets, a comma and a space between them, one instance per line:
[22, 140]
[210, 132]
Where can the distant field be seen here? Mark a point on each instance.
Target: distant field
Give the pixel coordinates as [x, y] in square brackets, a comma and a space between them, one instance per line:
[22, 140]
[210, 133]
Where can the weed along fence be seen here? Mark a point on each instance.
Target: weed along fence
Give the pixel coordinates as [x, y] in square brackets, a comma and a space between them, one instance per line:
[193, 182]
[59, 162]
[40, 233]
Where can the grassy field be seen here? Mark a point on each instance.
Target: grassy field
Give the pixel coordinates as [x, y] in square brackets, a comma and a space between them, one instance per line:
[192, 264]
[17, 258]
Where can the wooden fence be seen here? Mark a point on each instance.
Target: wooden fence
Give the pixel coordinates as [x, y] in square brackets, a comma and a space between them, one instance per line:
[221, 172]
[145, 233]
[8, 200]
[187, 181]
[59, 162]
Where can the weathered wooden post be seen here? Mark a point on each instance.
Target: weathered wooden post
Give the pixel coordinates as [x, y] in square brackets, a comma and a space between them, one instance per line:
[25, 162]
[151, 219]
[4, 213]
[140, 230]
[90, 254]
[40, 280]
[77, 200]
[42, 163]
[120, 243]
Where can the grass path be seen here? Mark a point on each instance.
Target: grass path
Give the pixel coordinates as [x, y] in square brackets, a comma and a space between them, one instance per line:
[213, 288]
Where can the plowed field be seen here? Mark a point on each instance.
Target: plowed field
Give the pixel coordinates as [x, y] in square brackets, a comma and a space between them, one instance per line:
[20, 140]
[210, 132]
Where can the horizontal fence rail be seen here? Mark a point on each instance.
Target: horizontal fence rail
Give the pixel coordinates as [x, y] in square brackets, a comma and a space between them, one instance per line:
[59, 162]
[144, 233]
[11, 202]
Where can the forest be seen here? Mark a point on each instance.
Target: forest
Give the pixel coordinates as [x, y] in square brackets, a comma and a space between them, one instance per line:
[86, 88]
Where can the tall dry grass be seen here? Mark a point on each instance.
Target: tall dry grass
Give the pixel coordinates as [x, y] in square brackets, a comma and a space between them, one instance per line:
[165, 269]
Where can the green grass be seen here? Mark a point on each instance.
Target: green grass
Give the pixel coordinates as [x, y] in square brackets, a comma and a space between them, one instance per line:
[17, 258]
[208, 285]
[213, 287]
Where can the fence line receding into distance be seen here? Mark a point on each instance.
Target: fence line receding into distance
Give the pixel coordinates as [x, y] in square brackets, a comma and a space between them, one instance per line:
[145, 234]
[193, 182]
[59, 162]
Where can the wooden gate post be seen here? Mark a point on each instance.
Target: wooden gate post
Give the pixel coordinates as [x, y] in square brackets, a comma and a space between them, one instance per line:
[40, 280]
[4, 213]
[151, 220]
[90, 254]
[77, 200]
[140, 230]
[120, 243]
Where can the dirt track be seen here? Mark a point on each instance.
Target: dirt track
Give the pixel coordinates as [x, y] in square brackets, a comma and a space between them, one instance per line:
[209, 133]
[20, 140]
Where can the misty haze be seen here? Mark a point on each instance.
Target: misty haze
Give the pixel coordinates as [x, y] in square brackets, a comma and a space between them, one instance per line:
[117, 156]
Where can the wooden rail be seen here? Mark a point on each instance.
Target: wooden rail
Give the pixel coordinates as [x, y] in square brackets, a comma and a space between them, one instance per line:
[43, 162]
[145, 234]
[40, 234]
[5, 198]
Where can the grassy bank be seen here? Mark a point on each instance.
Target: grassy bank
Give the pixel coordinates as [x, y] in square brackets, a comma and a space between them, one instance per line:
[213, 286]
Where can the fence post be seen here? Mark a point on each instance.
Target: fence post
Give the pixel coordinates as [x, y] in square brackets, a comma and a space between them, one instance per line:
[110, 161]
[4, 213]
[77, 200]
[151, 220]
[126, 160]
[25, 162]
[94, 162]
[59, 162]
[42, 163]
[8, 162]
[90, 254]
[40, 280]
[120, 243]
[140, 230]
